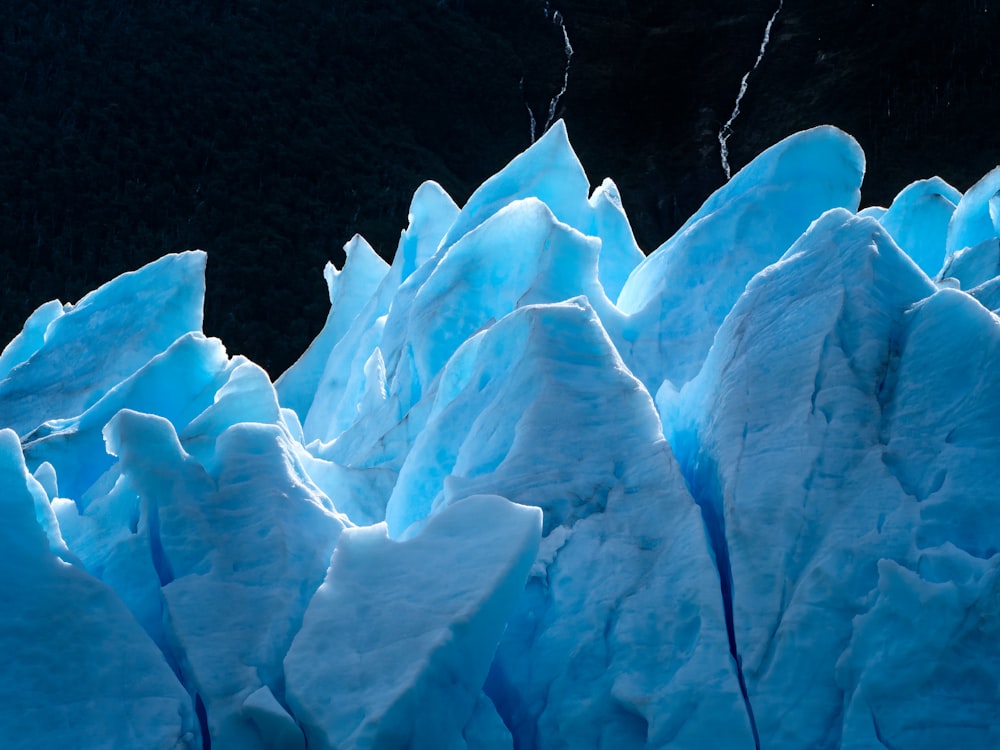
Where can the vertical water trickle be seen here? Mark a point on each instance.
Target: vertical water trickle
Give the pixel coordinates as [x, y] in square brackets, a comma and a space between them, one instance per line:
[568, 51]
[557, 19]
[531, 114]
[727, 130]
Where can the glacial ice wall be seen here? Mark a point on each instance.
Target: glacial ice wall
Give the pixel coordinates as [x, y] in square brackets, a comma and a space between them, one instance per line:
[529, 488]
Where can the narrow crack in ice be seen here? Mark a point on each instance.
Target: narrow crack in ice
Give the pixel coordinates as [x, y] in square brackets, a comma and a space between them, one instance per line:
[878, 734]
[727, 130]
[717, 536]
[701, 476]
[202, 714]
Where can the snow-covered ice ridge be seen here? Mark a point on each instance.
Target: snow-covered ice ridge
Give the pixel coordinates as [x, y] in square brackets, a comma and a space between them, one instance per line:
[527, 488]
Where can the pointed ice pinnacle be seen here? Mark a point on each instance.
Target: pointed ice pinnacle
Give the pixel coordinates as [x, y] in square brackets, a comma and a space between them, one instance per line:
[727, 129]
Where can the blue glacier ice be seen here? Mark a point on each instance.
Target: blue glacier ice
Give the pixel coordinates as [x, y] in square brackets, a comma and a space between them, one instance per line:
[349, 289]
[977, 215]
[529, 489]
[62, 363]
[412, 679]
[78, 670]
[784, 436]
[918, 221]
[678, 297]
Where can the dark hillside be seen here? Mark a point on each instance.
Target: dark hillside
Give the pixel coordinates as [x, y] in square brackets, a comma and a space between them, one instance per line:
[268, 132]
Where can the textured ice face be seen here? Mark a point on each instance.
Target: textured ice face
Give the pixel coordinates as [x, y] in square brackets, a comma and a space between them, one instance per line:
[355, 679]
[528, 488]
[78, 670]
[102, 339]
[678, 297]
[787, 421]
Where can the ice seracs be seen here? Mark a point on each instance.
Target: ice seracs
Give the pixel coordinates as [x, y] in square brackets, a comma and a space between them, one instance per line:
[677, 298]
[241, 541]
[977, 215]
[78, 670]
[360, 677]
[918, 221]
[349, 290]
[100, 340]
[528, 489]
[787, 455]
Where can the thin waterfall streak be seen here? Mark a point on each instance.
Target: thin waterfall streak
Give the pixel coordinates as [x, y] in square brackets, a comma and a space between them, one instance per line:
[556, 18]
[727, 130]
[531, 114]
[568, 50]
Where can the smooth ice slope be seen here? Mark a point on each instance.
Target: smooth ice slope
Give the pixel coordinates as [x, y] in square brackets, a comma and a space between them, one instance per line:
[548, 171]
[678, 297]
[412, 679]
[462, 521]
[977, 215]
[31, 337]
[918, 221]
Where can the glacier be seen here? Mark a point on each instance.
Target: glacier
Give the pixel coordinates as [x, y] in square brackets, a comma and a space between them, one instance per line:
[529, 488]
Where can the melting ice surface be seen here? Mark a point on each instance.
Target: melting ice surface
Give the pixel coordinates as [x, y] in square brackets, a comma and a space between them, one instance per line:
[527, 488]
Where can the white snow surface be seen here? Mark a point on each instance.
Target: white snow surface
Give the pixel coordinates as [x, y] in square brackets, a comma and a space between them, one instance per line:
[529, 488]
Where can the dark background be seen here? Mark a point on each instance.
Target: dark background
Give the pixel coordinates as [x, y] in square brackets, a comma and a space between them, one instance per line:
[268, 132]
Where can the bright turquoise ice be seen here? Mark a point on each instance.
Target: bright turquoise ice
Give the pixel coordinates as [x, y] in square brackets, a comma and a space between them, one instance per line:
[527, 488]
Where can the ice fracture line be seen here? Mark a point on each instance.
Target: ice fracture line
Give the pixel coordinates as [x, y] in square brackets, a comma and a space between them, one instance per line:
[727, 129]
